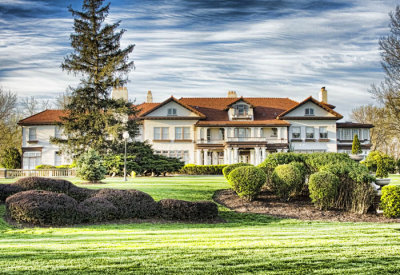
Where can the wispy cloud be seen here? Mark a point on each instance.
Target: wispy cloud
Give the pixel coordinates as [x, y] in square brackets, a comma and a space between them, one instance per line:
[205, 48]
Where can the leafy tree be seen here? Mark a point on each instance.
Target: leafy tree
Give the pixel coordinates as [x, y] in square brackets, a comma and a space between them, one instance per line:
[356, 146]
[95, 120]
[11, 158]
[90, 166]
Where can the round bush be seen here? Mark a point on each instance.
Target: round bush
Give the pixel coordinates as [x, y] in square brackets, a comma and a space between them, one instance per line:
[80, 194]
[323, 187]
[42, 208]
[390, 201]
[286, 180]
[130, 203]
[186, 210]
[97, 210]
[228, 169]
[247, 181]
[47, 184]
[7, 190]
[303, 171]
[91, 167]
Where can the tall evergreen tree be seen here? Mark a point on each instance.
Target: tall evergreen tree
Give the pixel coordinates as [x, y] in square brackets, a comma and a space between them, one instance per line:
[93, 119]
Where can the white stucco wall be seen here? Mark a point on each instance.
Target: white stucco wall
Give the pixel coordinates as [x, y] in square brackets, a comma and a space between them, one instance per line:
[163, 110]
[318, 111]
[330, 146]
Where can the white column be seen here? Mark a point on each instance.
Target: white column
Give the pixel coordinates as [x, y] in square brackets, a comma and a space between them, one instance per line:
[215, 158]
[252, 132]
[226, 133]
[198, 132]
[263, 153]
[257, 155]
[252, 158]
[205, 162]
[199, 159]
[229, 155]
[235, 155]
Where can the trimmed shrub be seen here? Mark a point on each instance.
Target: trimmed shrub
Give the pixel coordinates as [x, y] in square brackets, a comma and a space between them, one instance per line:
[10, 158]
[97, 210]
[390, 201]
[315, 161]
[286, 181]
[228, 169]
[186, 210]
[42, 208]
[64, 166]
[7, 190]
[192, 169]
[90, 167]
[323, 187]
[303, 171]
[371, 161]
[381, 169]
[47, 184]
[80, 194]
[356, 146]
[275, 159]
[129, 203]
[247, 181]
[45, 166]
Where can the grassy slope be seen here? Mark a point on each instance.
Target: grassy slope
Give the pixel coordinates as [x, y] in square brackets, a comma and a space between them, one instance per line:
[246, 244]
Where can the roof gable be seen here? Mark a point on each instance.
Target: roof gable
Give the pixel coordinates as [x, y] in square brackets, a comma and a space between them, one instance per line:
[330, 114]
[46, 117]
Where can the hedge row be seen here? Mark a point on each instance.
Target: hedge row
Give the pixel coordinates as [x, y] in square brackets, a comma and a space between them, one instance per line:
[192, 169]
[42, 201]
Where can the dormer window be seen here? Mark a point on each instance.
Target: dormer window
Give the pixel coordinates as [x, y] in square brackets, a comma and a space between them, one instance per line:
[171, 112]
[309, 112]
[241, 110]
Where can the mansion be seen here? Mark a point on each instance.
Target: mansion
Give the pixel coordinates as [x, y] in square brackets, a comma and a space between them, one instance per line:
[215, 130]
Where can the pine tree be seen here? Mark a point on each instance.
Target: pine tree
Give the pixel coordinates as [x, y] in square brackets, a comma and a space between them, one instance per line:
[356, 146]
[93, 119]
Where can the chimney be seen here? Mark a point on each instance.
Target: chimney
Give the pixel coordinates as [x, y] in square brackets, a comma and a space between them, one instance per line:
[232, 94]
[120, 93]
[323, 95]
[149, 97]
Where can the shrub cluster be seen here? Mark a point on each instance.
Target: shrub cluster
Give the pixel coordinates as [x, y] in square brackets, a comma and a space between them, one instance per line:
[287, 180]
[186, 210]
[390, 201]
[273, 160]
[247, 181]
[228, 169]
[192, 169]
[43, 201]
[323, 187]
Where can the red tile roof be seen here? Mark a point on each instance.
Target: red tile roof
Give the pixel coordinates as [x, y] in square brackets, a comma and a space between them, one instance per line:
[47, 117]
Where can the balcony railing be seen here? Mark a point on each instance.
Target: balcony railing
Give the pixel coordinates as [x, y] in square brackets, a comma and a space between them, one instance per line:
[242, 139]
[16, 173]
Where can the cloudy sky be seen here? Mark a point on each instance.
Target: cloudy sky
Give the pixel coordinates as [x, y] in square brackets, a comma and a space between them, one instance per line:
[198, 48]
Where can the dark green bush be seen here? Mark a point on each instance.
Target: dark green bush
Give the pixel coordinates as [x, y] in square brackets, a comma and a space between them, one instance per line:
[390, 201]
[247, 181]
[80, 194]
[186, 210]
[97, 210]
[228, 169]
[90, 166]
[275, 159]
[7, 190]
[303, 170]
[323, 187]
[129, 203]
[315, 161]
[42, 208]
[10, 158]
[192, 169]
[286, 181]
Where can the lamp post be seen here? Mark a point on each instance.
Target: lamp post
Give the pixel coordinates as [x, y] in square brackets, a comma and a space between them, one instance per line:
[125, 135]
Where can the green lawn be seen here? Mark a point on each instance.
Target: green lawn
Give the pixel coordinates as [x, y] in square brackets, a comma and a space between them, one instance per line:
[245, 244]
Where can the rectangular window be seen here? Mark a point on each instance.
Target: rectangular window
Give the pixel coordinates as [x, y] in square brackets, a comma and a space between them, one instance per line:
[32, 159]
[57, 132]
[171, 112]
[32, 134]
[346, 134]
[182, 132]
[365, 133]
[274, 132]
[221, 133]
[309, 132]
[57, 159]
[242, 132]
[296, 132]
[161, 133]
[323, 132]
[309, 112]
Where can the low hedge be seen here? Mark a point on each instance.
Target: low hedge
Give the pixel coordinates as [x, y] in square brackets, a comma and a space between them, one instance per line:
[390, 201]
[287, 181]
[38, 207]
[129, 203]
[231, 167]
[7, 190]
[186, 210]
[324, 188]
[247, 181]
[97, 210]
[46, 184]
[192, 169]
